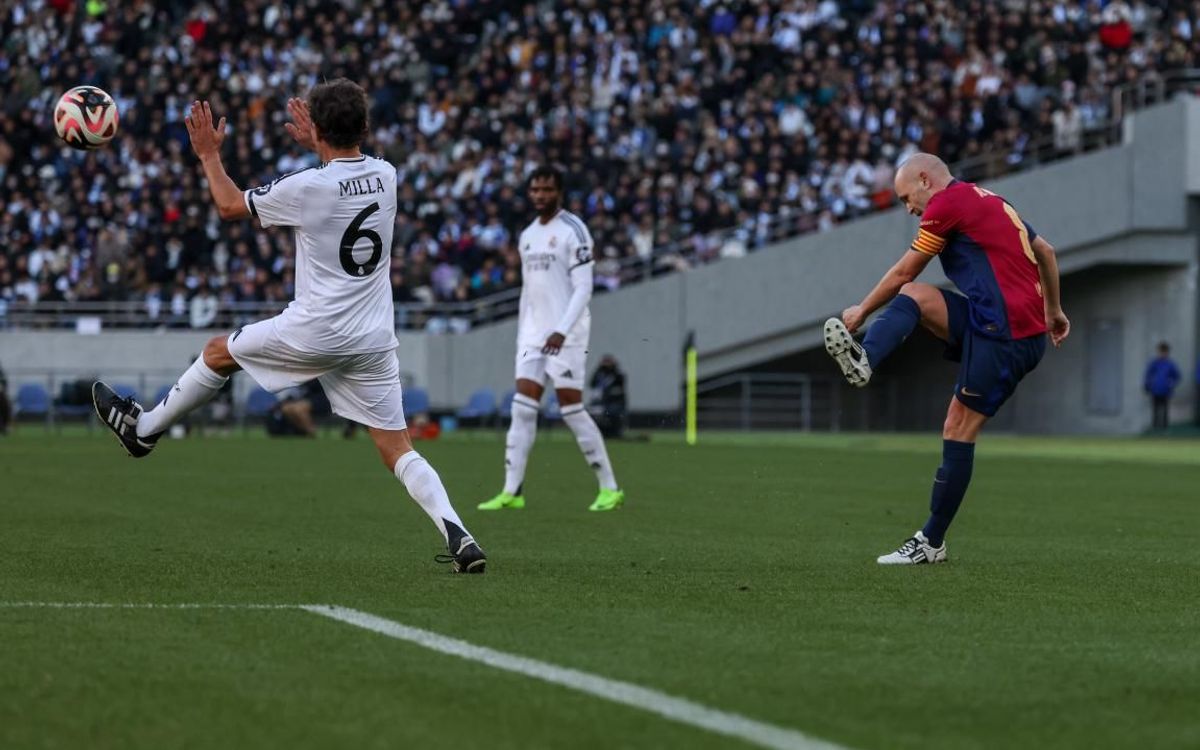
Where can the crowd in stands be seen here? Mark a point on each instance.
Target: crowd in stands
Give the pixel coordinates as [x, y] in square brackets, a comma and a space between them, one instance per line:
[677, 120]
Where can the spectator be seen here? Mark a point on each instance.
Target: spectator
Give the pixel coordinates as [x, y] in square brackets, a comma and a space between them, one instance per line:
[202, 310]
[297, 411]
[5, 404]
[608, 406]
[1197, 397]
[754, 109]
[1162, 376]
[1068, 129]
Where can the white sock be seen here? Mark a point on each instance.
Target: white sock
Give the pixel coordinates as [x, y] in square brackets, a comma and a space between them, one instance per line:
[591, 442]
[519, 442]
[195, 388]
[426, 488]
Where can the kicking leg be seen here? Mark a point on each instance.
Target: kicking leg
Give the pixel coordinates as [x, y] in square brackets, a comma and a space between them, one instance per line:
[426, 488]
[591, 443]
[522, 431]
[139, 430]
[917, 303]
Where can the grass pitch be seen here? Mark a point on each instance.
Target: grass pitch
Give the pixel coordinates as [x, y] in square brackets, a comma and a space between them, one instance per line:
[740, 575]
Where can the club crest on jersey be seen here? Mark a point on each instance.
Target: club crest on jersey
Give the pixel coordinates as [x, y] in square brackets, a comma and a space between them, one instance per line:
[553, 242]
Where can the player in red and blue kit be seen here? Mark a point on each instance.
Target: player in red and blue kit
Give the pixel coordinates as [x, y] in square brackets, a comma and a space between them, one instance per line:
[996, 329]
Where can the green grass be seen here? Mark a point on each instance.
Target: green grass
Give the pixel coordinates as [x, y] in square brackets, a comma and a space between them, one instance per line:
[740, 575]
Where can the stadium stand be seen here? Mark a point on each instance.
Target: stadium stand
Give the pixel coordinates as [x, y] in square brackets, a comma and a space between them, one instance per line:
[693, 130]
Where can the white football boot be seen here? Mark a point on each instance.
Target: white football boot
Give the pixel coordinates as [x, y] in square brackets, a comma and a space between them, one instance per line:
[916, 550]
[847, 352]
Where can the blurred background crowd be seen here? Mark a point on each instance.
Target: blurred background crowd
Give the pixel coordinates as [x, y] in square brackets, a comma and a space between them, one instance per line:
[690, 129]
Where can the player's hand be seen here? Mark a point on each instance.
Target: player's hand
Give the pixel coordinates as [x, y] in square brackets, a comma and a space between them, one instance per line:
[554, 343]
[206, 140]
[301, 127]
[1058, 326]
[853, 317]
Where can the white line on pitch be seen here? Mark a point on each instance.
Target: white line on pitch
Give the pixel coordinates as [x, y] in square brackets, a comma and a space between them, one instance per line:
[668, 706]
[139, 605]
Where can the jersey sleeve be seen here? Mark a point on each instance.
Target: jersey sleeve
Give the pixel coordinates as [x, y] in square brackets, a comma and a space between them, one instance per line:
[278, 203]
[939, 222]
[579, 245]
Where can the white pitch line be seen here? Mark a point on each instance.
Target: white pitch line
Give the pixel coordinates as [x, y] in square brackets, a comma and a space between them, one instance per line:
[140, 605]
[668, 706]
[626, 693]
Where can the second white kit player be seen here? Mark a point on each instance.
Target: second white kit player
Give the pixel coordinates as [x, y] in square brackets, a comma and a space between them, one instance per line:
[552, 341]
[339, 329]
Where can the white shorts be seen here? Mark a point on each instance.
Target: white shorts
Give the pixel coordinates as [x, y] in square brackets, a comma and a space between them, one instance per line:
[564, 370]
[364, 388]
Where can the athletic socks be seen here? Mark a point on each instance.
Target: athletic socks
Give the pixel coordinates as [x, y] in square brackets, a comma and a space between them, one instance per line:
[426, 488]
[949, 488]
[519, 442]
[591, 442]
[195, 388]
[890, 328]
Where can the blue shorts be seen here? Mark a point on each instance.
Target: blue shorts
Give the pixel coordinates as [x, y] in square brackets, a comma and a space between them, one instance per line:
[989, 369]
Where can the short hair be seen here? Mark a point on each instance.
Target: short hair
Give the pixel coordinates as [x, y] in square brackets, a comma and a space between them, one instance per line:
[339, 112]
[548, 172]
[1164, 346]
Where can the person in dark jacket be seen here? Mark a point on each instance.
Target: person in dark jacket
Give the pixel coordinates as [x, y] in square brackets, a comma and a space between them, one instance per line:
[608, 405]
[5, 406]
[1162, 376]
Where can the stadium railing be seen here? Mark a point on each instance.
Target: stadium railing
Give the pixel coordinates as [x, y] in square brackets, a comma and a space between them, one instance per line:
[457, 317]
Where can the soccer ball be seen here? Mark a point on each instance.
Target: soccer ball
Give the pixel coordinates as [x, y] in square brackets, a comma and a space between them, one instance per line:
[85, 118]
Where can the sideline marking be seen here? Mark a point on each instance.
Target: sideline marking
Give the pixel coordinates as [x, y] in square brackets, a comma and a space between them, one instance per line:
[667, 706]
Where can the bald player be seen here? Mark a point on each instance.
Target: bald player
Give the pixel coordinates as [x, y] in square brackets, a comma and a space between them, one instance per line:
[995, 328]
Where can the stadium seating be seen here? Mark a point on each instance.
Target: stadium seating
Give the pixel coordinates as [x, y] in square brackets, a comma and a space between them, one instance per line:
[766, 119]
[74, 402]
[481, 406]
[32, 400]
[159, 396]
[260, 402]
[416, 401]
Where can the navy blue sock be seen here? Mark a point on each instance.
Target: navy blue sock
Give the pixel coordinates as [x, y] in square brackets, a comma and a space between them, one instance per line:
[896, 323]
[949, 488]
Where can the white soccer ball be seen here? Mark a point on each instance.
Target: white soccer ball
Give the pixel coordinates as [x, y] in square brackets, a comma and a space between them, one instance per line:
[85, 118]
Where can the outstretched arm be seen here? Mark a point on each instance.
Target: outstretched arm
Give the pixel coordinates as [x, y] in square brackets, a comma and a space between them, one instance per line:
[906, 269]
[206, 142]
[1056, 320]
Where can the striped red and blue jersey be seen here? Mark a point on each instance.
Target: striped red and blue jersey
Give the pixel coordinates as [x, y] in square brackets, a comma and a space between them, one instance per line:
[986, 250]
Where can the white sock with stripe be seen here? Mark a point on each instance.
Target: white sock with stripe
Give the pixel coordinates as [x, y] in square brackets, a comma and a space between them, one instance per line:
[196, 387]
[591, 442]
[519, 442]
[426, 488]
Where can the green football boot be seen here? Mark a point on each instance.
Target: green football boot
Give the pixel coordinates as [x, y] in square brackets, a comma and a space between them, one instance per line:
[608, 500]
[504, 501]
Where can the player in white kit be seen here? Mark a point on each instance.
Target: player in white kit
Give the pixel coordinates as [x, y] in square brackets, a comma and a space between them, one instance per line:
[552, 340]
[339, 328]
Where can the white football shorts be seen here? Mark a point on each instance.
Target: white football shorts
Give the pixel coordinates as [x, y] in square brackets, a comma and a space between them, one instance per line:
[363, 388]
[564, 370]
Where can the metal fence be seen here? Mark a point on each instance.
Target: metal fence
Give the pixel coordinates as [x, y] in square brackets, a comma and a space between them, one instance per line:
[757, 401]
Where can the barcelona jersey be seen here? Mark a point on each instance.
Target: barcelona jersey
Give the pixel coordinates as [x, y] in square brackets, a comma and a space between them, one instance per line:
[986, 250]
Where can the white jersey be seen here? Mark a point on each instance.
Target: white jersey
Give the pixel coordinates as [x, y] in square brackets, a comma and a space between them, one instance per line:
[343, 214]
[551, 253]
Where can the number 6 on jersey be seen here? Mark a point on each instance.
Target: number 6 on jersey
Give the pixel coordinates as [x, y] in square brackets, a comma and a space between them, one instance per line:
[352, 235]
